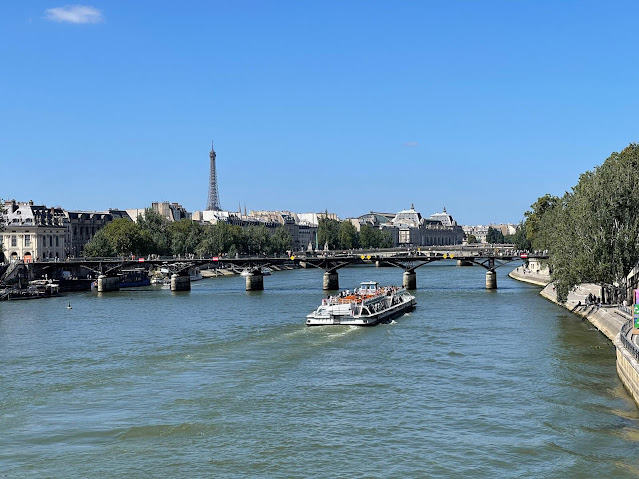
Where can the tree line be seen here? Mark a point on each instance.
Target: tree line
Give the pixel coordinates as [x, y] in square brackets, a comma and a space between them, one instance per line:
[591, 233]
[154, 234]
[343, 235]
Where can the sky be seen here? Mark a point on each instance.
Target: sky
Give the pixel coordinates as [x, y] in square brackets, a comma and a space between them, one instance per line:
[345, 106]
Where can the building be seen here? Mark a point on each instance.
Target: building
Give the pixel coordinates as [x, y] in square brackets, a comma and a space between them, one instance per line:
[438, 230]
[83, 225]
[480, 232]
[33, 232]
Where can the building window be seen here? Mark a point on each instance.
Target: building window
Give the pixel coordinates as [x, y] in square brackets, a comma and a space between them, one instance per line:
[14, 240]
[27, 240]
[50, 240]
[57, 241]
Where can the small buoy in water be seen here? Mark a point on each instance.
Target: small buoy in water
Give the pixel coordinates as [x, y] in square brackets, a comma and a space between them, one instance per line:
[69, 305]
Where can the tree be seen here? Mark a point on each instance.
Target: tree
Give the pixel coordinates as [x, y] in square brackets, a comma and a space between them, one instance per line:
[471, 239]
[125, 237]
[328, 233]
[156, 228]
[537, 229]
[347, 236]
[185, 236]
[370, 237]
[592, 233]
[280, 241]
[494, 236]
[99, 246]
[215, 239]
[520, 240]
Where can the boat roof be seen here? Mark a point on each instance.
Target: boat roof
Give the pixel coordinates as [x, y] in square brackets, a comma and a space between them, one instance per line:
[369, 283]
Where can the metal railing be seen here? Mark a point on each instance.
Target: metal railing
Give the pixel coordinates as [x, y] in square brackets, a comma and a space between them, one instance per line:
[625, 309]
[630, 346]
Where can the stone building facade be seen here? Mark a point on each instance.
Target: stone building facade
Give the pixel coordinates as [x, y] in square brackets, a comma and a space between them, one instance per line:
[33, 233]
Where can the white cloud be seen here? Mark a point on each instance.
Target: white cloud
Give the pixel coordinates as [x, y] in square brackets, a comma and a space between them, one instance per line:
[410, 143]
[74, 14]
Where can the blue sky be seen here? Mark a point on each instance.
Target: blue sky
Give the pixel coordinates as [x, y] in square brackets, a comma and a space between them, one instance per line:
[349, 106]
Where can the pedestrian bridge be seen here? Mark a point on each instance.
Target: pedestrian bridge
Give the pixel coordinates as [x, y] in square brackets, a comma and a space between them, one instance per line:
[331, 262]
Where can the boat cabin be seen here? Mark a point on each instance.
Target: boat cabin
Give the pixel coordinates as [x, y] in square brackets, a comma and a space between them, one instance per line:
[368, 287]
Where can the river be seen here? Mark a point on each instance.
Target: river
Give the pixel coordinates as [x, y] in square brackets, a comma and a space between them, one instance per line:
[218, 382]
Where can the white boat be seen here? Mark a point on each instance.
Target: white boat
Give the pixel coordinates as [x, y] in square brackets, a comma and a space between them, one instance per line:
[367, 305]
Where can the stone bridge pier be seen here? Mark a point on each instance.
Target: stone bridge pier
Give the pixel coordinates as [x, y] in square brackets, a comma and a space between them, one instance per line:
[108, 283]
[255, 281]
[180, 283]
[331, 280]
[491, 279]
[410, 280]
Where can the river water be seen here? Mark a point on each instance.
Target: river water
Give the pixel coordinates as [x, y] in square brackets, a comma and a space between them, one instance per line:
[218, 382]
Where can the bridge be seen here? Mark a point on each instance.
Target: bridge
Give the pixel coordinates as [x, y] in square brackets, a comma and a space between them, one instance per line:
[107, 270]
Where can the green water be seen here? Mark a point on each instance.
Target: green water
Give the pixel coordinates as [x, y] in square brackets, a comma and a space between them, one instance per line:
[218, 382]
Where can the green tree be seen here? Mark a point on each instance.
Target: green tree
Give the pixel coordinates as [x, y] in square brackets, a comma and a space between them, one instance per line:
[348, 236]
[592, 233]
[471, 239]
[370, 237]
[280, 241]
[328, 232]
[520, 240]
[155, 227]
[537, 226]
[99, 246]
[215, 239]
[257, 239]
[125, 237]
[185, 236]
[494, 236]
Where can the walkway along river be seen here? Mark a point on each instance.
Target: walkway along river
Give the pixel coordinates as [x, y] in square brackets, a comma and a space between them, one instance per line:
[220, 382]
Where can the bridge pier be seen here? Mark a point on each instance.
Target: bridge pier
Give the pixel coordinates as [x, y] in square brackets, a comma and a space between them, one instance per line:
[180, 283]
[255, 281]
[410, 280]
[491, 279]
[108, 283]
[331, 281]
[463, 262]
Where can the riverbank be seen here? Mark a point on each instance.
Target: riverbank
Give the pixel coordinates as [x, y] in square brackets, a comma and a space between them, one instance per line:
[607, 319]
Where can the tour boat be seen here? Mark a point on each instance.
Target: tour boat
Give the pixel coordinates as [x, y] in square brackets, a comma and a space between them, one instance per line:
[367, 305]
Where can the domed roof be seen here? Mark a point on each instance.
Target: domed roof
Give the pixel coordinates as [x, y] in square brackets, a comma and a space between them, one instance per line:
[407, 217]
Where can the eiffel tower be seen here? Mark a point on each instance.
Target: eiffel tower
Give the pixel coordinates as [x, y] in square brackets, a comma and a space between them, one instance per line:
[213, 202]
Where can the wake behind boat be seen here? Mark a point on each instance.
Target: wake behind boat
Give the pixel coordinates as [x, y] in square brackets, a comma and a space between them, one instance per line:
[365, 306]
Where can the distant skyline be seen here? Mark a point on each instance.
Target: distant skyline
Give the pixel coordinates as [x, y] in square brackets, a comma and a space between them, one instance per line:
[345, 106]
